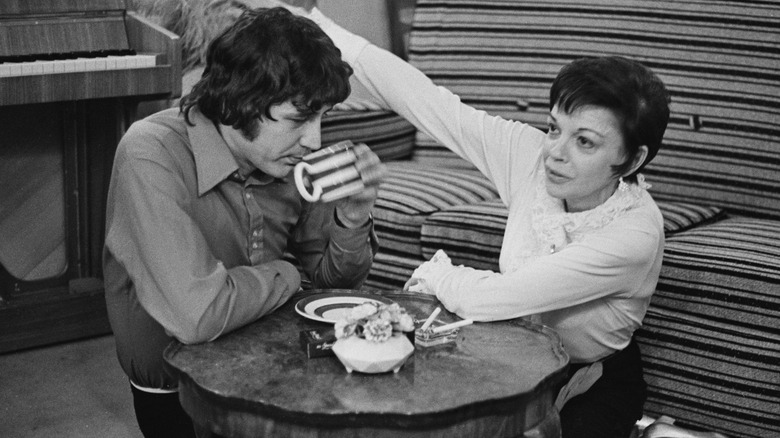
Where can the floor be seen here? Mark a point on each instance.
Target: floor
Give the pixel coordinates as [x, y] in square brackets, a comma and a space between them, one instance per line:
[75, 389]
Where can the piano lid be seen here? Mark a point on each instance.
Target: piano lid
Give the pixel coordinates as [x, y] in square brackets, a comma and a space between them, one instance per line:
[57, 7]
[32, 29]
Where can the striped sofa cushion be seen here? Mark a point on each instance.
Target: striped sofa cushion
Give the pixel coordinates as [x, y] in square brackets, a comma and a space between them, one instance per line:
[429, 151]
[391, 270]
[472, 234]
[711, 338]
[412, 192]
[681, 216]
[389, 135]
[719, 59]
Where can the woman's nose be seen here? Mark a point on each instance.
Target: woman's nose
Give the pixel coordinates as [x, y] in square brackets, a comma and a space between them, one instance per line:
[556, 148]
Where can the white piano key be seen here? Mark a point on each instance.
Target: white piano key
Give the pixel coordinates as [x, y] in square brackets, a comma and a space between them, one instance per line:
[37, 68]
[79, 64]
[90, 64]
[59, 66]
[16, 69]
[122, 62]
[5, 70]
[147, 61]
[100, 63]
[27, 68]
[47, 67]
[68, 66]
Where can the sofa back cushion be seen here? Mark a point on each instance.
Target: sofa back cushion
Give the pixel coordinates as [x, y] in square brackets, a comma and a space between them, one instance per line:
[719, 60]
[389, 135]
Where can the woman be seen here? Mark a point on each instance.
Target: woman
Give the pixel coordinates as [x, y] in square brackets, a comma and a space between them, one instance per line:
[584, 239]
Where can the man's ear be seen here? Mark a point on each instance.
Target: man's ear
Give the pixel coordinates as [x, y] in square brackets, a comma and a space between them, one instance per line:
[640, 157]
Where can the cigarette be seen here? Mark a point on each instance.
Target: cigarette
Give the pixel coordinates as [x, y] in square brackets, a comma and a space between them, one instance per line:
[453, 325]
[430, 319]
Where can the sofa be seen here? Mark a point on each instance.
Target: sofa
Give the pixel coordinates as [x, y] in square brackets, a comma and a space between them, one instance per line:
[711, 338]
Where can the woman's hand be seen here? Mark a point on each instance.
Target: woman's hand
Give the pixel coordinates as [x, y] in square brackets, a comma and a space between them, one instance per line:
[418, 285]
[437, 265]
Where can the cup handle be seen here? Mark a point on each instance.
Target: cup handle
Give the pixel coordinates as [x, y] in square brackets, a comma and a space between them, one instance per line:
[298, 173]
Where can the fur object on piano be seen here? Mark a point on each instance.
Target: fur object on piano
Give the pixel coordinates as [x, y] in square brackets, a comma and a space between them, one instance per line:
[197, 22]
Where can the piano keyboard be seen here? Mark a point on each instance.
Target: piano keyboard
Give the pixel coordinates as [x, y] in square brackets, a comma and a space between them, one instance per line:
[39, 65]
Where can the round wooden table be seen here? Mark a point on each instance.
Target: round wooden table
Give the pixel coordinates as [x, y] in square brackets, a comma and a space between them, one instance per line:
[498, 380]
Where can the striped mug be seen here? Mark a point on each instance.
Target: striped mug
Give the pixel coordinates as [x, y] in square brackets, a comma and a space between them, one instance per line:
[329, 173]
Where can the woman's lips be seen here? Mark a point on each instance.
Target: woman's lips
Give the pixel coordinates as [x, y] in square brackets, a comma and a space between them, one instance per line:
[554, 176]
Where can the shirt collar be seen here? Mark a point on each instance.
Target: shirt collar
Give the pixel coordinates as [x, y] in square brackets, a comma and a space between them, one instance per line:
[213, 160]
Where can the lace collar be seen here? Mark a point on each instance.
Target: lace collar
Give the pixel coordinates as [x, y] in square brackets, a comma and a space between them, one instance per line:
[552, 228]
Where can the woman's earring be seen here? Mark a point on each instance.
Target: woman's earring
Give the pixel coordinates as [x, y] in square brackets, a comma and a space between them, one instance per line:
[622, 185]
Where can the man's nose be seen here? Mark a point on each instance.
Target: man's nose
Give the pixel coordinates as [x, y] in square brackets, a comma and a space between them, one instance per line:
[312, 135]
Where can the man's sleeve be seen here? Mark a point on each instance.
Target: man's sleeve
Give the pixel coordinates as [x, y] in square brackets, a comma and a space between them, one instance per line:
[331, 255]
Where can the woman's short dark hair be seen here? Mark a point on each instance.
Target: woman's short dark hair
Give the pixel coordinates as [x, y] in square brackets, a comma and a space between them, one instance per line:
[267, 57]
[636, 96]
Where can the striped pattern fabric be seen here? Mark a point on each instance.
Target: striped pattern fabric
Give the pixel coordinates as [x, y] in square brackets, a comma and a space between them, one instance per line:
[720, 60]
[391, 270]
[472, 235]
[410, 194]
[389, 135]
[414, 191]
[711, 338]
[429, 151]
[680, 216]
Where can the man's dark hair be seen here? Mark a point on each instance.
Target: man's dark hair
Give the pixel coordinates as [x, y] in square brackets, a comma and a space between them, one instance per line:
[267, 57]
[635, 95]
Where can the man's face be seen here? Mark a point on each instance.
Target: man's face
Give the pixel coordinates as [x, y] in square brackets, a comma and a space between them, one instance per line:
[280, 143]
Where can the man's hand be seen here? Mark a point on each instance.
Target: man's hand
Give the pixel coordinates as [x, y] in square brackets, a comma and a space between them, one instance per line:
[353, 211]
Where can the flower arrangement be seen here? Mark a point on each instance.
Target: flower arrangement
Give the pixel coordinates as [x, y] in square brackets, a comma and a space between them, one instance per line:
[374, 322]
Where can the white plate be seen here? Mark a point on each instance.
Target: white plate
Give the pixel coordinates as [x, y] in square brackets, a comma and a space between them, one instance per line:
[332, 306]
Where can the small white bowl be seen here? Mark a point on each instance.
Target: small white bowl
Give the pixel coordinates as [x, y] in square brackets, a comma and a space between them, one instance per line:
[358, 354]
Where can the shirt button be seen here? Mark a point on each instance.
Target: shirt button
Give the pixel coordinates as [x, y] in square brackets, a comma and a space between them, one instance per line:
[254, 245]
[255, 233]
[248, 196]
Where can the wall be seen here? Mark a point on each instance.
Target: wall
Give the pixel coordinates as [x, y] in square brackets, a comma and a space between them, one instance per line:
[368, 18]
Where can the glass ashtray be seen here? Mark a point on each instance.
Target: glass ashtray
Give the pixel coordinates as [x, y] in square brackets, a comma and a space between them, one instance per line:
[428, 338]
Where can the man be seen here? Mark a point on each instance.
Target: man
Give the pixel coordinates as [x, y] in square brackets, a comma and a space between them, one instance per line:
[202, 207]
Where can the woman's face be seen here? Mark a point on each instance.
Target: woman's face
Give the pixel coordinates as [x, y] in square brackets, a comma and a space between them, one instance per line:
[579, 152]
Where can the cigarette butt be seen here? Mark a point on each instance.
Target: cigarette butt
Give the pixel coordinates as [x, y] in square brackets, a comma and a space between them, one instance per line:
[430, 319]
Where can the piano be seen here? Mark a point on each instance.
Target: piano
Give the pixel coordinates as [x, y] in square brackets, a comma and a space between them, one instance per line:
[72, 76]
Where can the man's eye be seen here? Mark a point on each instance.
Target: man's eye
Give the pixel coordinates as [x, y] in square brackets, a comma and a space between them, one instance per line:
[552, 129]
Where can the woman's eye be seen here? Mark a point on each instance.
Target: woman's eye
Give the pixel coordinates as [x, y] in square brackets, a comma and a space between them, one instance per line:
[552, 129]
[585, 142]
